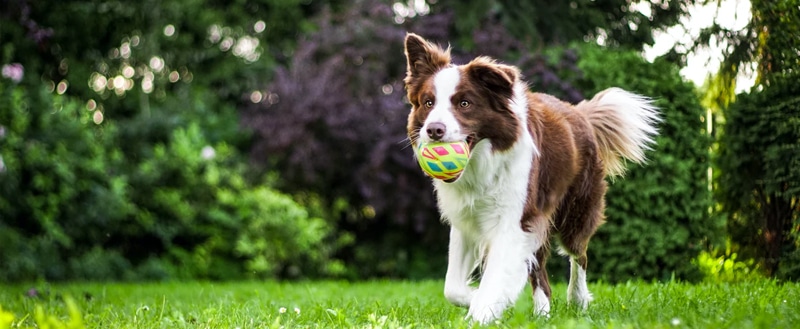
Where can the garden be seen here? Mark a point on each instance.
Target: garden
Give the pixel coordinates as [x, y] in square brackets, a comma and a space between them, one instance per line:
[213, 164]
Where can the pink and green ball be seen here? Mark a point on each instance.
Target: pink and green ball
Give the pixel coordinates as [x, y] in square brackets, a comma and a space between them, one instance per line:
[443, 161]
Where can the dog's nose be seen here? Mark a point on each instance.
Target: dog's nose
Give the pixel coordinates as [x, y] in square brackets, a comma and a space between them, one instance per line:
[436, 130]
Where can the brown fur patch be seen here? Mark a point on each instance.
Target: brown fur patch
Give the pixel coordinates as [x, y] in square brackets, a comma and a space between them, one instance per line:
[487, 88]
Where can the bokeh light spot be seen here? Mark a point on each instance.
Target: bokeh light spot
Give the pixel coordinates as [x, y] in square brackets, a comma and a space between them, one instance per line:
[98, 82]
[387, 89]
[260, 26]
[256, 96]
[169, 30]
[97, 117]
[157, 63]
[62, 87]
[125, 50]
[128, 71]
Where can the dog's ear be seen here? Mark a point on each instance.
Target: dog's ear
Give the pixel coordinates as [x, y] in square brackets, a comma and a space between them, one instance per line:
[496, 78]
[424, 58]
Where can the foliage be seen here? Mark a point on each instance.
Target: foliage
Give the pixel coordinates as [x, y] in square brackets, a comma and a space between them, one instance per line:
[137, 174]
[769, 40]
[54, 170]
[388, 304]
[759, 174]
[546, 23]
[225, 46]
[658, 214]
[726, 266]
[279, 230]
[337, 132]
[755, 180]
[73, 206]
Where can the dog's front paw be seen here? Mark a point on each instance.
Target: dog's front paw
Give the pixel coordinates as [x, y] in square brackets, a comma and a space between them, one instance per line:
[484, 313]
[459, 296]
[541, 303]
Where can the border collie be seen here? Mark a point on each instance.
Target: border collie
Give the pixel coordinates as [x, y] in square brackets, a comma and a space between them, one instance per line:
[537, 169]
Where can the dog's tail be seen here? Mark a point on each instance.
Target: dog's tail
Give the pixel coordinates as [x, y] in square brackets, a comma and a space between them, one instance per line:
[624, 125]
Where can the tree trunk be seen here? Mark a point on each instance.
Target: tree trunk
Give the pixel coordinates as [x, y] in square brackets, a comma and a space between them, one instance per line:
[777, 213]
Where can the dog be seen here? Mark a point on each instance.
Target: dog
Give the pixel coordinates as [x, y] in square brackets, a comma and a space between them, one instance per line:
[537, 169]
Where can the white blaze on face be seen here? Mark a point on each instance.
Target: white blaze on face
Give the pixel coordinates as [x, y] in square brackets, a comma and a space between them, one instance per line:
[444, 84]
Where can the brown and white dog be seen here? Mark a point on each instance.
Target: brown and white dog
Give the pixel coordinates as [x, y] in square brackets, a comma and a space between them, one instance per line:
[537, 168]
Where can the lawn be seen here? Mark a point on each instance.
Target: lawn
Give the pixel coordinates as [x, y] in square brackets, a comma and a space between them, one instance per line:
[390, 304]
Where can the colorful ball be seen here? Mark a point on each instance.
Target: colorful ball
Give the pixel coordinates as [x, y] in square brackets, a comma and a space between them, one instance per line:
[443, 161]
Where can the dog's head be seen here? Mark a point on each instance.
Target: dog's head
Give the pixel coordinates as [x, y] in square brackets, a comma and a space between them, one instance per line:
[470, 102]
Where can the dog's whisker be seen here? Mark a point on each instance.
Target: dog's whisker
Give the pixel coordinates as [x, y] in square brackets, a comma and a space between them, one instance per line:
[411, 139]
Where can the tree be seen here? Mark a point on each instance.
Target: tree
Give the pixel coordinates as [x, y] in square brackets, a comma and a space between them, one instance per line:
[543, 23]
[759, 175]
[757, 152]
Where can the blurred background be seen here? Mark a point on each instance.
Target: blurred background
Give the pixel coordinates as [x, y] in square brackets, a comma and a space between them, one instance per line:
[265, 139]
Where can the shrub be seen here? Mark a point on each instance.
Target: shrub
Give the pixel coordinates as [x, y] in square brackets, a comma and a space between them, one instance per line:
[56, 197]
[73, 206]
[726, 265]
[279, 230]
[658, 214]
[195, 208]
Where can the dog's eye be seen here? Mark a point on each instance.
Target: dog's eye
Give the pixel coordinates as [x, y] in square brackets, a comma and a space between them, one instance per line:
[429, 103]
[464, 104]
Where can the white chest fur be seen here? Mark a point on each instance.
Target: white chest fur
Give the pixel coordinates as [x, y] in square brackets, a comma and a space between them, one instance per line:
[494, 185]
[492, 191]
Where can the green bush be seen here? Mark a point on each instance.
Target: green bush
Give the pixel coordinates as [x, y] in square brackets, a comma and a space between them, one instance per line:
[758, 181]
[56, 198]
[74, 206]
[658, 214]
[726, 265]
[279, 230]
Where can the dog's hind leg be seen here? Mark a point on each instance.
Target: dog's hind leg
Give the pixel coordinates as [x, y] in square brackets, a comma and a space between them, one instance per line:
[577, 292]
[574, 244]
[579, 220]
[540, 284]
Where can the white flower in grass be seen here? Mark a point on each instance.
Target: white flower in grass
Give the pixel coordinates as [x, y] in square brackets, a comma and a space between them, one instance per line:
[297, 310]
[282, 310]
[675, 321]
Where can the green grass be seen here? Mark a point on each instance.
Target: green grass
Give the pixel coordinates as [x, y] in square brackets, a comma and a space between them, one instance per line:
[387, 304]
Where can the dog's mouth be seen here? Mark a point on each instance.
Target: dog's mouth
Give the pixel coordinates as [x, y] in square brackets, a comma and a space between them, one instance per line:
[471, 140]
